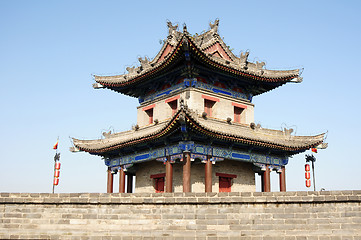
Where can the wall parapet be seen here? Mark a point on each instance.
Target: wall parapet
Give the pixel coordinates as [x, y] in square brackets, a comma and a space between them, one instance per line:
[183, 198]
[246, 215]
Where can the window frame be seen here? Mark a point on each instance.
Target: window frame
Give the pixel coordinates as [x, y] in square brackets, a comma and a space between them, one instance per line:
[238, 112]
[149, 110]
[208, 104]
[173, 103]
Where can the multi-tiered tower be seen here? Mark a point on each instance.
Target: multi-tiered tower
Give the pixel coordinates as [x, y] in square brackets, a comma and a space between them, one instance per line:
[195, 129]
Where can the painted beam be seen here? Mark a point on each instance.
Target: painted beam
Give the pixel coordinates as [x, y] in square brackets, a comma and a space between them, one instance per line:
[217, 153]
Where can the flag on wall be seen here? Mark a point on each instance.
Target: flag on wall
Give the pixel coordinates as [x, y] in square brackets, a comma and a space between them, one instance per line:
[56, 145]
[314, 150]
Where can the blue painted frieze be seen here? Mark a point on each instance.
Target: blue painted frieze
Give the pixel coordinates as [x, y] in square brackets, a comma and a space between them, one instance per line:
[197, 151]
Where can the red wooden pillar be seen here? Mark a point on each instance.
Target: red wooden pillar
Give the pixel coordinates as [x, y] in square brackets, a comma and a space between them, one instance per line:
[266, 179]
[110, 181]
[129, 183]
[187, 172]
[121, 181]
[208, 175]
[168, 176]
[283, 179]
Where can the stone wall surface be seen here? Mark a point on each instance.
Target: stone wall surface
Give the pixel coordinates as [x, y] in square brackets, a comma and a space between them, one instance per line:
[246, 215]
[143, 182]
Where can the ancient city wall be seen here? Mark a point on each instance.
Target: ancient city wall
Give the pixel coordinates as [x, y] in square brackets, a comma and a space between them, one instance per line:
[246, 215]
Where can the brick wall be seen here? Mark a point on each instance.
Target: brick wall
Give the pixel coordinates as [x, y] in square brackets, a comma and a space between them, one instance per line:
[143, 182]
[246, 215]
[244, 182]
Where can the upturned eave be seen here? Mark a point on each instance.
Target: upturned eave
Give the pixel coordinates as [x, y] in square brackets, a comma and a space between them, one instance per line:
[237, 133]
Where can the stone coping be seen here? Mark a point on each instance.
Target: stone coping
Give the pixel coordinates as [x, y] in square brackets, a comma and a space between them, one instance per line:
[183, 198]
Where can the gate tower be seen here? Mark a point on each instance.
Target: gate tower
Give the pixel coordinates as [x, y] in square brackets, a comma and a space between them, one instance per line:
[195, 128]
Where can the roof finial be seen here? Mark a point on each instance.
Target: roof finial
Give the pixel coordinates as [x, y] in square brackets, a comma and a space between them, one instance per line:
[185, 28]
[214, 26]
[172, 29]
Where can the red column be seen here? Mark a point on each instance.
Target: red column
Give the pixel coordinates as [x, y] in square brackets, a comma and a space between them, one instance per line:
[266, 179]
[283, 179]
[168, 176]
[121, 181]
[187, 172]
[130, 183]
[110, 181]
[208, 175]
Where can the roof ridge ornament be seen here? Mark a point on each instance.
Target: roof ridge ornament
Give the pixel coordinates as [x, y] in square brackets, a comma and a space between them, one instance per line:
[242, 60]
[131, 70]
[144, 63]
[173, 34]
[260, 65]
[172, 30]
[107, 134]
[214, 26]
[185, 31]
[287, 131]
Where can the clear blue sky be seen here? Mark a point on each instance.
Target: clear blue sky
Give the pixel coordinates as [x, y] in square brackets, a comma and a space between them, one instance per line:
[49, 49]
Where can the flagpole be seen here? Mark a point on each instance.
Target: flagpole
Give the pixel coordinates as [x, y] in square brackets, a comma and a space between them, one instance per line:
[313, 173]
[55, 158]
[54, 174]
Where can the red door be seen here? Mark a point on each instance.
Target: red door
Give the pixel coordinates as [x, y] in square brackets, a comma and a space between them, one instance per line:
[225, 184]
[159, 185]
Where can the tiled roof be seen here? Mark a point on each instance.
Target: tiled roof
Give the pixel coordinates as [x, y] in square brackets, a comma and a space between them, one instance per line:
[208, 48]
[239, 133]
